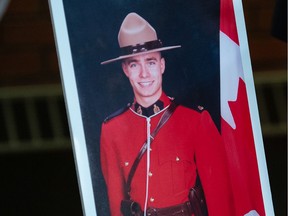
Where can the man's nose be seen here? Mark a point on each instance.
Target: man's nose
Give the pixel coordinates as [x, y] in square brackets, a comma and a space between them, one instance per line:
[144, 72]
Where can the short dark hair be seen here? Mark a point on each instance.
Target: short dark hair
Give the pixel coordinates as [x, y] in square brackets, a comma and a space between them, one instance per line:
[124, 60]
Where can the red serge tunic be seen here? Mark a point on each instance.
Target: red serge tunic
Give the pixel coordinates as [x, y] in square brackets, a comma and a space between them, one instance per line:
[188, 141]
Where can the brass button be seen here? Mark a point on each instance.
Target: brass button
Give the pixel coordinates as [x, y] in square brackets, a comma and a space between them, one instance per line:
[177, 159]
[126, 163]
[152, 199]
[150, 174]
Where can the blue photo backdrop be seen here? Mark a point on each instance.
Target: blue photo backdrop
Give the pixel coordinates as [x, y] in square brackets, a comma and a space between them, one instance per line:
[191, 75]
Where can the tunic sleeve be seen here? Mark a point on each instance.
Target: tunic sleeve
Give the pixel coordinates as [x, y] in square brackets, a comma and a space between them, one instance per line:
[111, 169]
[212, 168]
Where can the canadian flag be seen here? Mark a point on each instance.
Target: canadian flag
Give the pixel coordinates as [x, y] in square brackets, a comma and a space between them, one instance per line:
[236, 128]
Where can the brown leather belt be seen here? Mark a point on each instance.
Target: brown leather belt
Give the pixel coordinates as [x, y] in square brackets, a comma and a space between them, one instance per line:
[183, 209]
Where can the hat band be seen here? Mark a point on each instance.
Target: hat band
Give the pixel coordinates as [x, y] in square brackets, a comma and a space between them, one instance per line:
[144, 47]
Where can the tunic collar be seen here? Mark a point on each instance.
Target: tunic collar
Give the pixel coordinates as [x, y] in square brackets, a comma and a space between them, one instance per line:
[156, 107]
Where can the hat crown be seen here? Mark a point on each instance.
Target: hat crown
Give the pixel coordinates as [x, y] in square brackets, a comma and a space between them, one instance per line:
[135, 30]
[136, 36]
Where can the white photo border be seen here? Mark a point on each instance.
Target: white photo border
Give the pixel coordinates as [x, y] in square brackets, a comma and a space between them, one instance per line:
[253, 107]
[76, 122]
[73, 107]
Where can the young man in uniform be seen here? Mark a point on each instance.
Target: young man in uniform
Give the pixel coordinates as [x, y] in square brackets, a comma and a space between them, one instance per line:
[188, 144]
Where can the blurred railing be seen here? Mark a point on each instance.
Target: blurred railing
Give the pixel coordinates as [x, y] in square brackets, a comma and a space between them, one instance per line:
[271, 91]
[34, 117]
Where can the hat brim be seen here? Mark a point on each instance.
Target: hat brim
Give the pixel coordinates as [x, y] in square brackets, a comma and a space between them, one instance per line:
[140, 53]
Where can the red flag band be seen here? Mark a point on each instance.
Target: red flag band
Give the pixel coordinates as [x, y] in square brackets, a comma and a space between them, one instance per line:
[236, 125]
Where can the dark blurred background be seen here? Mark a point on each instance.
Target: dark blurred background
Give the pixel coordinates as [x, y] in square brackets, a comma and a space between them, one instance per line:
[38, 174]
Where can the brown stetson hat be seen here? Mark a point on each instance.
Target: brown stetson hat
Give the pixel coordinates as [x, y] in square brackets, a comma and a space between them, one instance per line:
[136, 36]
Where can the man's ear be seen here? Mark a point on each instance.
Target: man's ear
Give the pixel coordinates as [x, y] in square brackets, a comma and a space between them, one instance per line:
[162, 65]
[124, 68]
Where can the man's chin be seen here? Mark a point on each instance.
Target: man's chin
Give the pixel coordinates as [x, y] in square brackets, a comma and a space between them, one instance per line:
[148, 96]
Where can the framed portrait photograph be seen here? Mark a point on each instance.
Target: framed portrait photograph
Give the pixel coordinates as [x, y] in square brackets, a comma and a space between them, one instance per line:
[161, 101]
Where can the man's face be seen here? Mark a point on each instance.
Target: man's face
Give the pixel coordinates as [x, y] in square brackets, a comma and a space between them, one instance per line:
[145, 75]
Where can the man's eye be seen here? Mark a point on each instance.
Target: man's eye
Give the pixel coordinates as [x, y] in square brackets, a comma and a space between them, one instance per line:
[133, 65]
[152, 63]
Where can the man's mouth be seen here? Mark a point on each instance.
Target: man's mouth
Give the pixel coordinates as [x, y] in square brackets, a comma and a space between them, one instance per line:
[145, 84]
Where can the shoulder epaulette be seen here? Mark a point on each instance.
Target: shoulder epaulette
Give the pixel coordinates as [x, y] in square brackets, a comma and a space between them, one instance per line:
[118, 112]
[194, 106]
[199, 108]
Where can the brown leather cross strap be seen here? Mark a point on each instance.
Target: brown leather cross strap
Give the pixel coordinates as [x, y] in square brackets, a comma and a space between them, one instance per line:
[164, 118]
